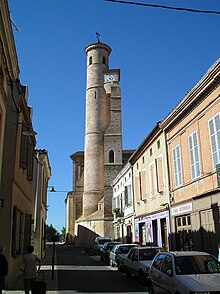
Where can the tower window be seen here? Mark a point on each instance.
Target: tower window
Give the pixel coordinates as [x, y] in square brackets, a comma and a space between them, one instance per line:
[111, 156]
[90, 60]
[104, 60]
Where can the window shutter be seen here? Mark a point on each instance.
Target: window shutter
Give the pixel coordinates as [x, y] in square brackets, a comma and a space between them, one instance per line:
[152, 188]
[143, 185]
[160, 180]
[137, 189]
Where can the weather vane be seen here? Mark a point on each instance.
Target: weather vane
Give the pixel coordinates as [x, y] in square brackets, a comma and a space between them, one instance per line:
[97, 36]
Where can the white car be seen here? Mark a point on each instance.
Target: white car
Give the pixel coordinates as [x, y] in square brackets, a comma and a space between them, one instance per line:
[118, 254]
[138, 260]
[184, 272]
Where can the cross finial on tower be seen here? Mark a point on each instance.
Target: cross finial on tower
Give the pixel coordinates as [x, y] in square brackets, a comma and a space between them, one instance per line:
[97, 36]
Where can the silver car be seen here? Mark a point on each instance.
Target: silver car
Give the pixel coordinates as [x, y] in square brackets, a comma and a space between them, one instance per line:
[118, 254]
[138, 260]
[184, 272]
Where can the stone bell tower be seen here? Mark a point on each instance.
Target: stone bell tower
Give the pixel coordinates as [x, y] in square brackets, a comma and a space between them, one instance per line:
[102, 145]
[97, 121]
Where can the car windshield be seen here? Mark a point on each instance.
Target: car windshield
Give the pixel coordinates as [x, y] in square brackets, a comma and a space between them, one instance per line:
[124, 249]
[196, 264]
[110, 246]
[147, 254]
[103, 241]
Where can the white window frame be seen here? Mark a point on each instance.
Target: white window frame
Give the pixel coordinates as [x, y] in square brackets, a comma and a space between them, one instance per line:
[177, 165]
[194, 158]
[214, 140]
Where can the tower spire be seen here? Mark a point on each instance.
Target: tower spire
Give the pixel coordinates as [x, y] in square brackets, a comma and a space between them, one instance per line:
[97, 36]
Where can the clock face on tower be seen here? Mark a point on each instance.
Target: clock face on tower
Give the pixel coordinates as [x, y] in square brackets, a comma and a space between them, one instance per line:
[109, 78]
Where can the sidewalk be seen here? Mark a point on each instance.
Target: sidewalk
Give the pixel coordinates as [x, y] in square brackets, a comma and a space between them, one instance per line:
[46, 268]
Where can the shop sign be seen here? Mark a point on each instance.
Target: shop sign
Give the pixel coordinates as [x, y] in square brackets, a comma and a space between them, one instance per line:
[181, 209]
[148, 218]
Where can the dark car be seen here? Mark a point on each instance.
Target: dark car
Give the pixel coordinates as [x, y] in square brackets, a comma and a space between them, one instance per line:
[106, 249]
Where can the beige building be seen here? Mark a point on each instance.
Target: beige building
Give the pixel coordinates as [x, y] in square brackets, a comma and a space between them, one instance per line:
[151, 190]
[17, 144]
[42, 174]
[193, 142]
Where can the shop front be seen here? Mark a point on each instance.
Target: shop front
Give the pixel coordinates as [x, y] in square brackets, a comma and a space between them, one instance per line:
[153, 230]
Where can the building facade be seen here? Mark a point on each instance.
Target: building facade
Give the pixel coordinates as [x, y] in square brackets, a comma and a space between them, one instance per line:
[151, 190]
[17, 154]
[42, 174]
[192, 134]
[123, 205]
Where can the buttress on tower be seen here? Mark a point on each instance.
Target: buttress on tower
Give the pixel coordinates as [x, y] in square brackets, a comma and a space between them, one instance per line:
[102, 159]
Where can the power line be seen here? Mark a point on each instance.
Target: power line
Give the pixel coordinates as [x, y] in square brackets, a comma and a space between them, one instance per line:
[165, 7]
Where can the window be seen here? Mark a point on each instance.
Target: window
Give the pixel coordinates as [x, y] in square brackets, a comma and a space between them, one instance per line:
[167, 266]
[158, 144]
[194, 156]
[111, 156]
[128, 195]
[151, 152]
[90, 60]
[143, 159]
[158, 261]
[214, 129]
[177, 166]
[104, 60]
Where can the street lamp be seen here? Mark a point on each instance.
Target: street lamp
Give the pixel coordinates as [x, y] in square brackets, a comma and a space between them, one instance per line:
[29, 129]
[54, 190]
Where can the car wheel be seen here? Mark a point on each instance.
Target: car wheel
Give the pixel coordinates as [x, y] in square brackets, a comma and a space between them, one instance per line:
[150, 288]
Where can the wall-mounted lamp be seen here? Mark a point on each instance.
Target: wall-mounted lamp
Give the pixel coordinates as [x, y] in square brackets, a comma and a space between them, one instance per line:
[29, 129]
[165, 204]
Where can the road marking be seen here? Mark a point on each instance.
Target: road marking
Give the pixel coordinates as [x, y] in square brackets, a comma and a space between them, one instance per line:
[77, 268]
[71, 292]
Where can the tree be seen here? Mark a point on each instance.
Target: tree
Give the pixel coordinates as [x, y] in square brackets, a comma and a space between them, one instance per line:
[63, 233]
[52, 234]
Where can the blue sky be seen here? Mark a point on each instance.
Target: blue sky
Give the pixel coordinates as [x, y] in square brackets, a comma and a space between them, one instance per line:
[161, 53]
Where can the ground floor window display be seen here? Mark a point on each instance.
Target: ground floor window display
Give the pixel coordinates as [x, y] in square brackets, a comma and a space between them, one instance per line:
[153, 229]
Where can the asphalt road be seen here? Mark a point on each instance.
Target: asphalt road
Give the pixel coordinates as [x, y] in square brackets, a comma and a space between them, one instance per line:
[77, 272]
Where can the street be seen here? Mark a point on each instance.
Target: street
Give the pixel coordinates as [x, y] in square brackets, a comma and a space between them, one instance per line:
[77, 272]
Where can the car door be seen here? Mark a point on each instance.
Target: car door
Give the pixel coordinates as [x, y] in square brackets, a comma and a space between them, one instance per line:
[167, 283]
[155, 272]
[128, 260]
[134, 262]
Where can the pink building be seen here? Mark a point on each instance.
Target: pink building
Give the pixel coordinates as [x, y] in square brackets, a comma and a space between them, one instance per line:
[193, 146]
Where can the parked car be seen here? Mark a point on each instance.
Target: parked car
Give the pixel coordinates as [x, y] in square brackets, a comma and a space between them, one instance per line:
[99, 242]
[184, 272]
[106, 249]
[118, 254]
[138, 260]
